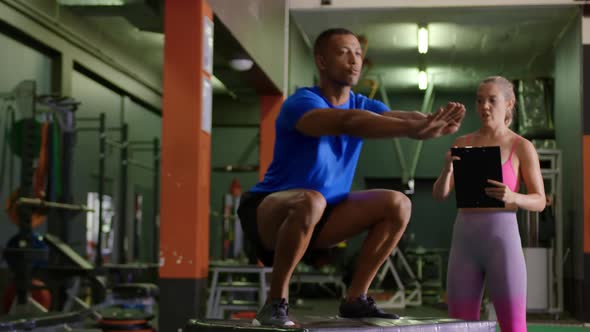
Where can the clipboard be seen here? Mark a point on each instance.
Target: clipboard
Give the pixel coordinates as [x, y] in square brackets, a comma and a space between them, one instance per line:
[477, 165]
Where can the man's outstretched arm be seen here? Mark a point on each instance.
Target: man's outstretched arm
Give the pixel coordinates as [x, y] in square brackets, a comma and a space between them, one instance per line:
[412, 115]
[416, 115]
[361, 123]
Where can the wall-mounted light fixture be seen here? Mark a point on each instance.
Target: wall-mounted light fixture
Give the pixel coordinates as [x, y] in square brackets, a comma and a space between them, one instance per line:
[422, 80]
[422, 39]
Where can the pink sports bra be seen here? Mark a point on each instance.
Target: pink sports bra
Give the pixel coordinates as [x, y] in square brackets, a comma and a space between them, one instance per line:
[509, 177]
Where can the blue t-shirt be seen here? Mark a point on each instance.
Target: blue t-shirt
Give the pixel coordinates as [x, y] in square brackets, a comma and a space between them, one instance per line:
[325, 164]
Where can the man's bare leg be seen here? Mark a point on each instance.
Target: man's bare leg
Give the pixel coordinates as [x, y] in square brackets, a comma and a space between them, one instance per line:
[384, 213]
[286, 221]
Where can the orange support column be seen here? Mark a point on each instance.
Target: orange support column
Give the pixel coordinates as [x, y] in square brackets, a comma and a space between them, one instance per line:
[586, 226]
[270, 106]
[185, 175]
[586, 174]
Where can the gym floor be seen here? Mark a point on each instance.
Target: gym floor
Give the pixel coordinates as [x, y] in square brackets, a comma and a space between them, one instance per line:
[536, 322]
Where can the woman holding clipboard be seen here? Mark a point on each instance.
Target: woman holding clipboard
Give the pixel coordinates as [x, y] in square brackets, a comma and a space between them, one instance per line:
[486, 243]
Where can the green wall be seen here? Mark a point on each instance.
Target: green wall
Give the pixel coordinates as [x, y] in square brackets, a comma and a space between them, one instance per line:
[234, 141]
[301, 63]
[568, 127]
[95, 98]
[144, 125]
[259, 26]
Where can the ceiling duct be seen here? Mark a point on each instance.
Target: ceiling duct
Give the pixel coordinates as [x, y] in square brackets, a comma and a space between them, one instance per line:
[146, 15]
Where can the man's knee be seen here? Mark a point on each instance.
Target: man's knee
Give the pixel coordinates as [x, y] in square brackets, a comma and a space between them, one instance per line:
[309, 207]
[399, 206]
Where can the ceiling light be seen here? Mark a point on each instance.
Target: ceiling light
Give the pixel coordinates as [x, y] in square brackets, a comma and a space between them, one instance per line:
[422, 40]
[241, 64]
[422, 80]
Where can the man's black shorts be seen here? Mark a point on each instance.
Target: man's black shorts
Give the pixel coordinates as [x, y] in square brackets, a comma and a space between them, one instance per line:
[247, 212]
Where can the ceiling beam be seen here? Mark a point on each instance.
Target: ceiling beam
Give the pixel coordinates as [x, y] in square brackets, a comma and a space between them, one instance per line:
[368, 4]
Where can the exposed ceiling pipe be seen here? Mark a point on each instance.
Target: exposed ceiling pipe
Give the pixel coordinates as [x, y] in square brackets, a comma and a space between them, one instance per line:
[146, 15]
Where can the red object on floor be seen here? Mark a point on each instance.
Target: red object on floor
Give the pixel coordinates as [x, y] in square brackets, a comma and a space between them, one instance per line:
[42, 296]
[243, 315]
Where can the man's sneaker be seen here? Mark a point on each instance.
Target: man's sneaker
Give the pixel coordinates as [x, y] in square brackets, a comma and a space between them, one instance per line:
[275, 313]
[363, 307]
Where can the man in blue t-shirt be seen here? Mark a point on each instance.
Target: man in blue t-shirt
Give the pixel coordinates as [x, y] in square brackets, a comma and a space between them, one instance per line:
[304, 201]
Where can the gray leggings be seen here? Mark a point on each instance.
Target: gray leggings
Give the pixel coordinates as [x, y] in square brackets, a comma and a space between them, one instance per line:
[486, 246]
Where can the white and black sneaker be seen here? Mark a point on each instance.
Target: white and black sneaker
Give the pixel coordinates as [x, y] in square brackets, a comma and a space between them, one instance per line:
[274, 313]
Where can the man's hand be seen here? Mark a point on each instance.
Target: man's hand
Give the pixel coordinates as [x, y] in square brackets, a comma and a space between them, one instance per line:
[452, 127]
[444, 121]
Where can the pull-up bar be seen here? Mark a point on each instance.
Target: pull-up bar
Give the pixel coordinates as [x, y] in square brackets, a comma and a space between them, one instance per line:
[42, 203]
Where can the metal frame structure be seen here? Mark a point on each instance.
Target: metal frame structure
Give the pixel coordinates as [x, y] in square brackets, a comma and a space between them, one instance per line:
[552, 174]
[126, 147]
[30, 105]
[403, 296]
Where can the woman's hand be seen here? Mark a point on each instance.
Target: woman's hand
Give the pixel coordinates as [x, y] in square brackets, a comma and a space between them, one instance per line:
[449, 158]
[444, 183]
[501, 192]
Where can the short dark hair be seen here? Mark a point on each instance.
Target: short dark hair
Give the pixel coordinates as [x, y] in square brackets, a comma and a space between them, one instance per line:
[321, 40]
